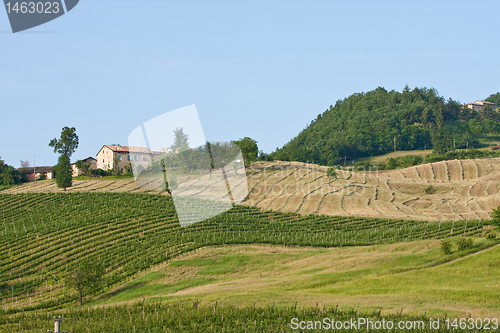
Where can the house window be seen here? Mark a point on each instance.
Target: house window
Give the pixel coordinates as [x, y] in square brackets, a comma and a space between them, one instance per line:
[119, 158]
[135, 158]
[128, 157]
[144, 159]
[102, 160]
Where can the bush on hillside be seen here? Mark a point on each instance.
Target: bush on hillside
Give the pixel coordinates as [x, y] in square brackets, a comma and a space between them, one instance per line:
[446, 247]
[430, 190]
[464, 244]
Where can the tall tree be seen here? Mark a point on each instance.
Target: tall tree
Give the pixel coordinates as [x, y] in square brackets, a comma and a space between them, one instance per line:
[441, 141]
[249, 149]
[64, 174]
[68, 142]
[65, 146]
[451, 110]
[181, 140]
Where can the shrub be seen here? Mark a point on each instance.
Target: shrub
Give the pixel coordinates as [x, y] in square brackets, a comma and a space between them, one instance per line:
[446, 247]
[363, 166]
[100, 172]
[496, 217]
[491, 235]
[430, 189]
[391, 164]
[464, 244]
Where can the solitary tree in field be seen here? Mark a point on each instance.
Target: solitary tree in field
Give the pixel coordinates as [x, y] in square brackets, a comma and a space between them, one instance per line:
[65, 146]
[86, 278]
[64, 174]
[249, 149]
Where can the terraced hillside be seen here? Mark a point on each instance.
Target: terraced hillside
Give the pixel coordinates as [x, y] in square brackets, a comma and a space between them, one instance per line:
[461, 189]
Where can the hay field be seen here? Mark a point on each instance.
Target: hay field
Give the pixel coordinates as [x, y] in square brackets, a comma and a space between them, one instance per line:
[462, 189]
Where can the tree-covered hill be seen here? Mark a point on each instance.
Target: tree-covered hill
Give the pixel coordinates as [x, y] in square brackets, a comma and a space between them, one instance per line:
[368, 124]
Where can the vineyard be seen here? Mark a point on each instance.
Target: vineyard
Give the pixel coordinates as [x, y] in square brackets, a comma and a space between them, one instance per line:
[196, 317]
[45, 234]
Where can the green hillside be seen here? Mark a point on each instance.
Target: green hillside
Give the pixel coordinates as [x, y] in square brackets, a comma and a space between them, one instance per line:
[46, 235]
[373, 123]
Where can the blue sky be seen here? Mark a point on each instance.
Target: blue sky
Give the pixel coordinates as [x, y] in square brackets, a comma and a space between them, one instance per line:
[262, 69]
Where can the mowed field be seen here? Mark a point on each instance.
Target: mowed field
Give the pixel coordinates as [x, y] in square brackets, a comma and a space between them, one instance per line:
[462, 189]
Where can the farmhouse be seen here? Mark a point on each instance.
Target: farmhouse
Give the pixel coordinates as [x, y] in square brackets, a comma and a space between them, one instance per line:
[111, 156]
[89, 160]
[479, 105]
[35, 173]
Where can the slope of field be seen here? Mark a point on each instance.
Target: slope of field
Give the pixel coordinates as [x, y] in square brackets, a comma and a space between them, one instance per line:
[391, 276]
[461, 189]
[45, 235]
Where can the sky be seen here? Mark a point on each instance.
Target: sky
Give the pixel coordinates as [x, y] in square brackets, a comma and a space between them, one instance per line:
[262, 69]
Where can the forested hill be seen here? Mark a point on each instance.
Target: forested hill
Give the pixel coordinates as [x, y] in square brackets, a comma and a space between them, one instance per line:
[365, 124]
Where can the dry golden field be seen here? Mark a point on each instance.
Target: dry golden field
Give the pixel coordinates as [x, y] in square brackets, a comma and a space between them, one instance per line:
[462, 189]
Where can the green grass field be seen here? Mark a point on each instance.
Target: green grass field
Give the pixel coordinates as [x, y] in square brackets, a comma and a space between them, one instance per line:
[414, 276]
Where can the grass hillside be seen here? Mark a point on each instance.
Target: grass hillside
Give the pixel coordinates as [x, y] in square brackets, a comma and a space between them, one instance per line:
[445, 190]
[46, 235]
[393, 276]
